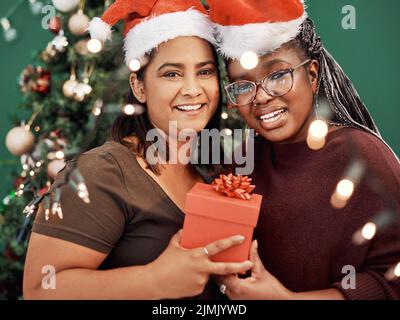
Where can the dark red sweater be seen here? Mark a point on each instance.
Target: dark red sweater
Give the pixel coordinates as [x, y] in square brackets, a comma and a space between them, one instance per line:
[303, 240]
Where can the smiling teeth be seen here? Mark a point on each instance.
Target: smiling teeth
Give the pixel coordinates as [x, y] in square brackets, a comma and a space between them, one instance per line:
[273, 116]
[190, 108]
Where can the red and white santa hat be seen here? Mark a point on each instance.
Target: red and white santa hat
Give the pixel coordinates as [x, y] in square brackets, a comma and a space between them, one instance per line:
[148, 23]
[260, 26]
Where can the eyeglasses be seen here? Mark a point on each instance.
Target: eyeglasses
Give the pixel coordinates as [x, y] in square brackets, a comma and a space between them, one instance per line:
[277, 84]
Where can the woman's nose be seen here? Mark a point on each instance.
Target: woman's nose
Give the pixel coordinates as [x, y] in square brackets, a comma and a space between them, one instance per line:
[262, 96]
[191, 87]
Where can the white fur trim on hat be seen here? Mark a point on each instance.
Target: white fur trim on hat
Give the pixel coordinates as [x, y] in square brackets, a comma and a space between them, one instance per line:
[99, 30]
[153, 31]
[261, 38]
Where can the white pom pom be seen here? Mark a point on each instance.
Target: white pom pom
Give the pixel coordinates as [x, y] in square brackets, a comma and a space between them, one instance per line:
[99, 30]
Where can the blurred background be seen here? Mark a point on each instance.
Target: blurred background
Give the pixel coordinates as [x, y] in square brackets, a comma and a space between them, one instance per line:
[368, 52]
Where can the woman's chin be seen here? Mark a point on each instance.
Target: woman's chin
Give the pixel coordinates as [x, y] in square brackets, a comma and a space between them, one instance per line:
[192, 125]
[278, 135]
[196, 124]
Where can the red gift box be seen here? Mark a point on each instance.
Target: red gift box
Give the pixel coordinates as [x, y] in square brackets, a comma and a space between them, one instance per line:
[211, 215]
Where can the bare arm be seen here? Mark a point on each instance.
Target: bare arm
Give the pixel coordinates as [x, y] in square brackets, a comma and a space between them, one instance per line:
[176, 273]
[76, 276]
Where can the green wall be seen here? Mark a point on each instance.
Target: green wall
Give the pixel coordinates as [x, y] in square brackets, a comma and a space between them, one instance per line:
[369, 55]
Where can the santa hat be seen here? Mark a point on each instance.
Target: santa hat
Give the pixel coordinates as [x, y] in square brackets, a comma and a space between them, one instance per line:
[148, 23]
[260, 26]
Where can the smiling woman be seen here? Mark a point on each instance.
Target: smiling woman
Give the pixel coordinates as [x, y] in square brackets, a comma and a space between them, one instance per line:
[304, 239]
[180, 84]
[277, 112]
[124, 244]
[279, 81]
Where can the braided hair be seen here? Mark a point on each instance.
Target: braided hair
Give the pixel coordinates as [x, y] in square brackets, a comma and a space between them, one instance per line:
[342, 97]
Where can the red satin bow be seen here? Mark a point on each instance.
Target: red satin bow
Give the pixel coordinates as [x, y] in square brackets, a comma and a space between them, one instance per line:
[234, 186]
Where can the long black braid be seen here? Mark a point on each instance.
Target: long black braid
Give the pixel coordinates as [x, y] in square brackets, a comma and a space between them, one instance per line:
[346, 104]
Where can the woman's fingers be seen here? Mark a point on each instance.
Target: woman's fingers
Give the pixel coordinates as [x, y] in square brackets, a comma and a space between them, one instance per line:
[223, 244]
[255, 258]
[226, 268]
[176, 238]
[233, 286]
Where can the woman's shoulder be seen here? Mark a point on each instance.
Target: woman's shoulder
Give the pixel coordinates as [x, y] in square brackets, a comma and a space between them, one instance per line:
[363, 143]
[108, 161]
[372, 150]
[110, 153]
[109, 147]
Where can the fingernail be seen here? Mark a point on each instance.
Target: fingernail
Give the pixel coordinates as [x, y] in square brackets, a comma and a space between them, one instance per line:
[256, 244]
[239, 238]
[249, 263]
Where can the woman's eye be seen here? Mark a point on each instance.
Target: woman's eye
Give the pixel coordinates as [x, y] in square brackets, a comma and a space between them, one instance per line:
[277, 75]
[171, 74]
[206, 72]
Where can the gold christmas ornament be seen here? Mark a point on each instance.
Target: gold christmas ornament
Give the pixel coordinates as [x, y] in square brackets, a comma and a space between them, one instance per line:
[78, 23]
[69, 88]
[70, 85]
[19, 140]
[65, 5]
[81, 47]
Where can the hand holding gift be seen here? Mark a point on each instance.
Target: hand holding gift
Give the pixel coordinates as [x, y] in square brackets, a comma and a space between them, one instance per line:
[179, 272]
[260, 285]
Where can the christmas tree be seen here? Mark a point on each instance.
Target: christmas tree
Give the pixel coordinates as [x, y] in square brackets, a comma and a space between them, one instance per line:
[73, 93]
[74, 89]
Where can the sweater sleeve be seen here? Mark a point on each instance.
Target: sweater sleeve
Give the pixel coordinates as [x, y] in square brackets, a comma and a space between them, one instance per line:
[381, 189]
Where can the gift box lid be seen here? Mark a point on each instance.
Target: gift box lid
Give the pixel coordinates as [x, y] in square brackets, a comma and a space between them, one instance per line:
[203, 200]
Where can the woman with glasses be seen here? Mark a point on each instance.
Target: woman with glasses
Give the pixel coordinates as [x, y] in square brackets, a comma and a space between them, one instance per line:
[307, 245]
[243, 94]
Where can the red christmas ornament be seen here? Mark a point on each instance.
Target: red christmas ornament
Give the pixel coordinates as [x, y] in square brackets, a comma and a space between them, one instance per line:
[234, 186]
[35, 79]
[56, 133]
[18, 181]
[55, 24]
[43, 82]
